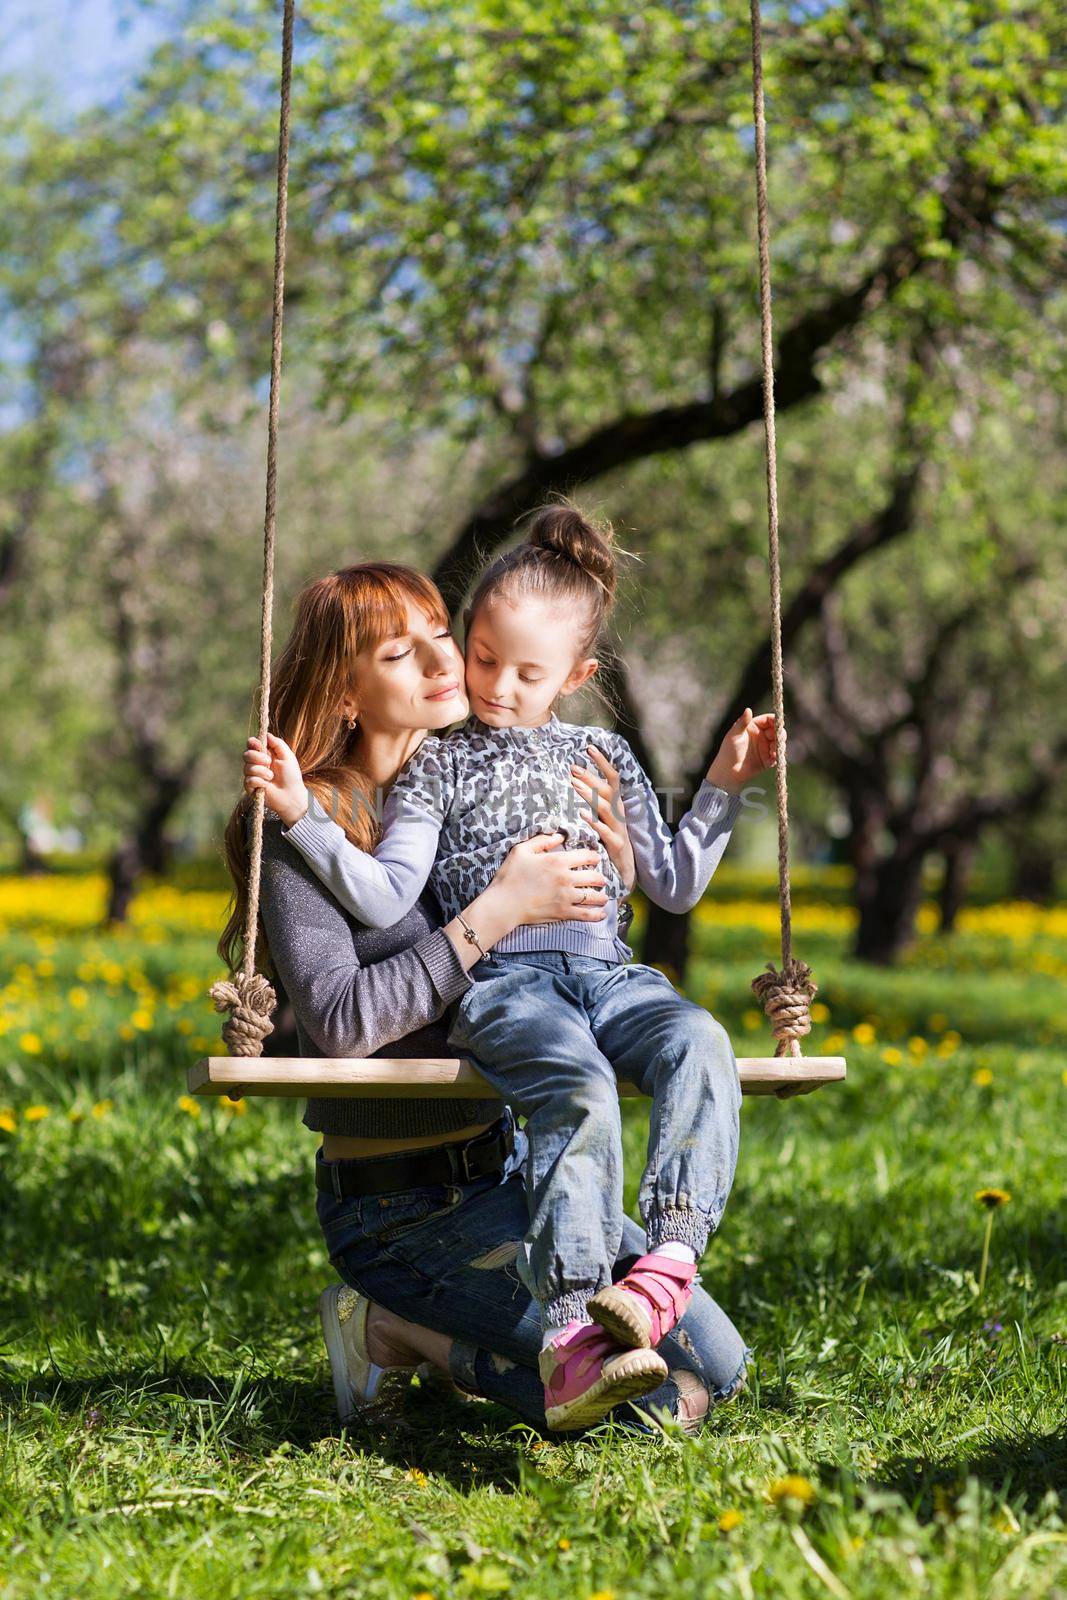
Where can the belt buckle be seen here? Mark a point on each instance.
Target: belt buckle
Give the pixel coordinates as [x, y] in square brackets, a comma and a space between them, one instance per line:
[459, 1164]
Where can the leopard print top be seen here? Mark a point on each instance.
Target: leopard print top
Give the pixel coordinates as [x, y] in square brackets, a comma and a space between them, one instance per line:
[491, 787]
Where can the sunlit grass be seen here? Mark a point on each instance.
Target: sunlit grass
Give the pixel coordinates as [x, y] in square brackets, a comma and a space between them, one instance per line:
[170, 1427]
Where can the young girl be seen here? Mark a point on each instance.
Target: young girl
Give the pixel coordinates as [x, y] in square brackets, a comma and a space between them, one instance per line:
[559, 1012]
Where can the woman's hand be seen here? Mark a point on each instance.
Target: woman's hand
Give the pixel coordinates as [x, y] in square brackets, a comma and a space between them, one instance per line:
[607, 819]
[539, 882]
[278, 774]
[536, 882]
[748, 749]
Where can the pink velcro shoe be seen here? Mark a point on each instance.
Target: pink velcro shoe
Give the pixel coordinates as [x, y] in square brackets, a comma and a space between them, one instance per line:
[647, 1303]
[585, 1374]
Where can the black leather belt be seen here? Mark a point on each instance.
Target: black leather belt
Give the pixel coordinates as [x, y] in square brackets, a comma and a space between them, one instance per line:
[412, 1169]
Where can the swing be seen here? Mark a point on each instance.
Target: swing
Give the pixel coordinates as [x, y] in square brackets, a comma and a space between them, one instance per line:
[786, 993]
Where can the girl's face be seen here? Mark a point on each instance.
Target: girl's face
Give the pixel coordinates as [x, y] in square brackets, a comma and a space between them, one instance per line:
[412, 681]
[519, 658]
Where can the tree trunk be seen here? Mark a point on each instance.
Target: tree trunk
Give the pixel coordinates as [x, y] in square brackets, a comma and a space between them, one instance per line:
[959, 860]
[666, 942]
[146, 848]
[1033, 875]
[887, 907]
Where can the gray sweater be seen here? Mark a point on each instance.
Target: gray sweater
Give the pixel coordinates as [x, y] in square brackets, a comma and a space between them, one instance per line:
[358, 991]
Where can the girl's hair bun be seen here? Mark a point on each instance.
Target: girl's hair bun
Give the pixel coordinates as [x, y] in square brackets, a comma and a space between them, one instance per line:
[566, 531]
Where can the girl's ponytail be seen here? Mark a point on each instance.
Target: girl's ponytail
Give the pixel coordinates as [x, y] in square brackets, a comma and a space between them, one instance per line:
[566, 558]
[564, 530]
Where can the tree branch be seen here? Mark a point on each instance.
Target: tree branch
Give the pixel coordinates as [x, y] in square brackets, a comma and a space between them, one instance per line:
[628, 439]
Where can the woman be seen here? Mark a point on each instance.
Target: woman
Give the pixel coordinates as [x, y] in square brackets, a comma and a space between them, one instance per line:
[421, 1202]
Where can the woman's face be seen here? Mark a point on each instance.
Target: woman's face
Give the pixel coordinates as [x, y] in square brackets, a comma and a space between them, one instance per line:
[412, 681]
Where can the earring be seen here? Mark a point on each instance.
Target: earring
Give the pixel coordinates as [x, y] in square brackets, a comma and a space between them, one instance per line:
[351, 722]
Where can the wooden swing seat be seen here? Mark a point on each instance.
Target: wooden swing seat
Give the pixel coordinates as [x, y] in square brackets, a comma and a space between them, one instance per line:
[443, 1078]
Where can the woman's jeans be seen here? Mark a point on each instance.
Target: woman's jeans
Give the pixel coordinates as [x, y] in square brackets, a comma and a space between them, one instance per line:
[556, 1034]
[444, 1256]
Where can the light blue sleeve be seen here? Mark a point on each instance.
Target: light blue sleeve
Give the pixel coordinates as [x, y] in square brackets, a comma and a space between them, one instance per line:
[381, 888]
[673, 869]
[378, 889]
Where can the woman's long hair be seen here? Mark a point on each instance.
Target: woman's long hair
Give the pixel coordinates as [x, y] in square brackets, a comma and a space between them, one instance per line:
[337, 617]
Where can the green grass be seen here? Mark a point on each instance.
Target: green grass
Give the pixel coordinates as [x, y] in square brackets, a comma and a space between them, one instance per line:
[168, 1419]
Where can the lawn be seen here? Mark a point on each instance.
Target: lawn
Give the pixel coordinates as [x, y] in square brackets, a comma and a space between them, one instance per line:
[168, 1420]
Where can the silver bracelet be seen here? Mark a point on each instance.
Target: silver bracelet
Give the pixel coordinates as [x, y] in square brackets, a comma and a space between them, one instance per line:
[469, 933]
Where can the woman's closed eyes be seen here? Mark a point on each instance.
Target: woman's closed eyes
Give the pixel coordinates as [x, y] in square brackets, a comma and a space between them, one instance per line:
[445, 634]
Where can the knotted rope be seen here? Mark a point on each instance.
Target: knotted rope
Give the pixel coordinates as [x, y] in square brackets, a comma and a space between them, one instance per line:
[247, 996]
[786, 994]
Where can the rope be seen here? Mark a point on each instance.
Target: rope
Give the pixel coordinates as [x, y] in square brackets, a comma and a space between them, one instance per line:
[248, 997]
[786, 994]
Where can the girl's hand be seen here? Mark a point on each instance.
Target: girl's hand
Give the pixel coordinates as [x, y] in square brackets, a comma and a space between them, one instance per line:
[277, 773]
[607, 819]
[747, 750]
[539, 882]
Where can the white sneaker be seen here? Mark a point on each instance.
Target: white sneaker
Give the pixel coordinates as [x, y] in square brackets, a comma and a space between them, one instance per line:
[359, 1384]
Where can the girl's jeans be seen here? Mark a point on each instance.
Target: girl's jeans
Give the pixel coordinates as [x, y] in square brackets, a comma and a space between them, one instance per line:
[444, 1256]
[555, 1034]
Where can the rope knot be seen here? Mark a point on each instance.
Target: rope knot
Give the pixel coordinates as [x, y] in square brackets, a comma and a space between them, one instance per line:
[249, 999]
[787, 997]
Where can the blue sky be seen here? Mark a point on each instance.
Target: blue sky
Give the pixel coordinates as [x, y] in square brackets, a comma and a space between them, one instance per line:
[74, 52]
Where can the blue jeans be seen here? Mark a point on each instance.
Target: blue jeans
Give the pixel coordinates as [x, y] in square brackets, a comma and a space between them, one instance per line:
[555, 1034]
[444, 1256]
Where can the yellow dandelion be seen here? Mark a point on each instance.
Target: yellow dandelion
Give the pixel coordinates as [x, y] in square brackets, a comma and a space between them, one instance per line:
[602, 1594]
[31, 1043]
[78, 998]
[416, 1476]
[834, 1042]
[863, 1033]
[730, 1520]
[918, 1045]
[752, 1020]
[35, 1113]
[563, 1544]
[983, 1077]
[46, 969]
[187, 1104]
[75, 1115]
[892, 1057]
[992, 1200]
[102, 1107]
[8, 1124]
[819, 1012]
[236, 1108]
[142, 1019]
[792, 1488]
[126, 1032]
[422, 1594]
